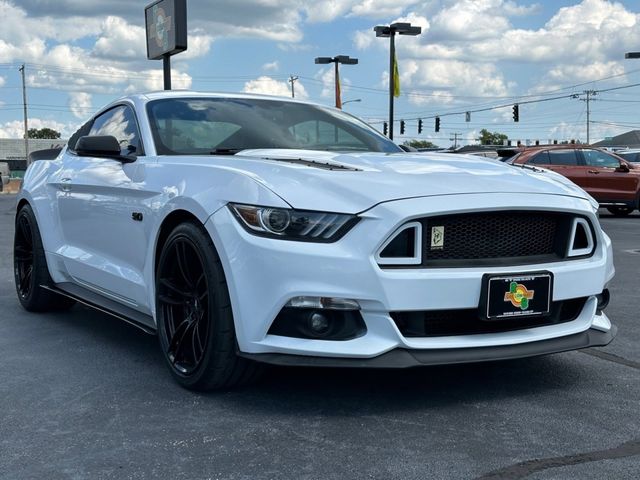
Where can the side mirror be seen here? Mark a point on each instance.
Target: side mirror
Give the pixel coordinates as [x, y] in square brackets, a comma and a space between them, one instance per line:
[103, 146]
[624, 168]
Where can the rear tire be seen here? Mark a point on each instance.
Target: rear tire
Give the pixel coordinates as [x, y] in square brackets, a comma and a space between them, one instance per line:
[30, 267]
[194, 316]
[620, 211]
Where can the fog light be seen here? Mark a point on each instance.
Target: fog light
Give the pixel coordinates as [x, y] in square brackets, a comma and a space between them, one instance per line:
[318, 323]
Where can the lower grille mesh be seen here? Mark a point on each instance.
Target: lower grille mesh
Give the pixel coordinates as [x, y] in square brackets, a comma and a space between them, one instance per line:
[438, 323]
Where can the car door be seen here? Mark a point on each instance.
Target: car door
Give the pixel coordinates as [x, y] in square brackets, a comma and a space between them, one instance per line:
[608, 179]
[564, 161]
[102, 214]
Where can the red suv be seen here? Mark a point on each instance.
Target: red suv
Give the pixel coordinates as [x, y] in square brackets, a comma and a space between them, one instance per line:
[612, 181]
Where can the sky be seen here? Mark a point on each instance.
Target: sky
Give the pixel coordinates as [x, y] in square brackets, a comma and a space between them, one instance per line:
[477, 56]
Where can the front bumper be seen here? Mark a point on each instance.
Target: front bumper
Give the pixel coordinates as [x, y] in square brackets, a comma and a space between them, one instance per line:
[264, 274]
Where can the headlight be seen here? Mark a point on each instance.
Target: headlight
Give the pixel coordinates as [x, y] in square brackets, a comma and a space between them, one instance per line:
[289, 224]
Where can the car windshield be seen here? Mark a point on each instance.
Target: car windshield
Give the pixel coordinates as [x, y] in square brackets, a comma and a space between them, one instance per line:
[209, 126]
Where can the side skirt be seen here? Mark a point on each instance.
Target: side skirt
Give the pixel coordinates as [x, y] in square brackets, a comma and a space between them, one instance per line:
[105, 305]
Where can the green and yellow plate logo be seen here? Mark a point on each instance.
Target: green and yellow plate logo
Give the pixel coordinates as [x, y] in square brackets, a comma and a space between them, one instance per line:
[518, 295]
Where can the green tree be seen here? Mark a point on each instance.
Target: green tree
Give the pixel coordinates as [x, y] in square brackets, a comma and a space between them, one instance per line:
[489, 138]
[420, 144]
[43, 133]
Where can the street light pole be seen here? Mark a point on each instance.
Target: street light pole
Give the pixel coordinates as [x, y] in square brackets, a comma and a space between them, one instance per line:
[345, 59]
[392, 79]
[390, 31]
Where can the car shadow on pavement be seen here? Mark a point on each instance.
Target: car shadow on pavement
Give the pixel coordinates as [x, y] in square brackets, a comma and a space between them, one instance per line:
[357, 391]
[309, 390]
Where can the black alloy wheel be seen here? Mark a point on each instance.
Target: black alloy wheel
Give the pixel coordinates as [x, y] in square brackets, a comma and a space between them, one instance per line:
[23, 257]
[30, 267]
[193, 313]
[183, 297]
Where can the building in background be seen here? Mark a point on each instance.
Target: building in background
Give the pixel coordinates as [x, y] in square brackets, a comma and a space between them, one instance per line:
[12, 151]
[630, 139]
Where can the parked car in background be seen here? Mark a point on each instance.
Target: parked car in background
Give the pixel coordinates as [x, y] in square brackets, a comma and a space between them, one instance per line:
[5, 173]
[612, 181]
[631, 155]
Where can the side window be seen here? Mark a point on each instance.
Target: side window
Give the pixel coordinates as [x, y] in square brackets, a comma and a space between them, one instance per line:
[563, 157]
[596, 158]
[81, 132]
[541, 158]
[119, 122]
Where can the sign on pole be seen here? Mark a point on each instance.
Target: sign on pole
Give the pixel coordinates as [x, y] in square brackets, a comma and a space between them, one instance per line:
[166, 25]
[166, 22]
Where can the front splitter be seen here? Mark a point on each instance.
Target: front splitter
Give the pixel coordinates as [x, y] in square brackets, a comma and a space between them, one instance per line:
[405, 358]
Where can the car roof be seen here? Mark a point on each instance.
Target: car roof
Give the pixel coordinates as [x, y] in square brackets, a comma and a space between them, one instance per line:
[161, 94]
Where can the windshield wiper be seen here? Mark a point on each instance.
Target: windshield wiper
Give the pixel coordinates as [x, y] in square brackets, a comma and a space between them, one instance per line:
[225, 151]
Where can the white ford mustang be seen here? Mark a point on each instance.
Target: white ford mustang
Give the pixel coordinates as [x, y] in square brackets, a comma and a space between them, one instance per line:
[245, 229]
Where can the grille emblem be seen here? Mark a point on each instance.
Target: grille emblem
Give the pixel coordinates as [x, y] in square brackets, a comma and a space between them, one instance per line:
[437, 238]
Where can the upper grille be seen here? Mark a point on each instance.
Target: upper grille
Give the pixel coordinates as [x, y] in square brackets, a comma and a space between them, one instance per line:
[495, 238]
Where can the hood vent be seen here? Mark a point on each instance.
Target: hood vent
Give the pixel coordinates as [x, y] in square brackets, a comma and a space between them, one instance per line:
[314, 164]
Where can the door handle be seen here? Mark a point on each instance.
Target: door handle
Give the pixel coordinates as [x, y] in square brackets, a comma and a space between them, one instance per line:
[66, 184]
[593, 171]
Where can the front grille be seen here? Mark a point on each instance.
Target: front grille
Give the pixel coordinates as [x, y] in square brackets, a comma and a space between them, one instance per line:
[495, 238]
[439, 323]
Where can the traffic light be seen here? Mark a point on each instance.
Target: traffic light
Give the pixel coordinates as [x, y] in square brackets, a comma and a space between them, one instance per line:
[385, 128]
[516, 113]
[401, 127]
[420, 126]
[437, 124]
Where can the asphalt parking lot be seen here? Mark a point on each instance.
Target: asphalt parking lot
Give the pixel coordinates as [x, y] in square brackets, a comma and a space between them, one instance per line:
[85, 396]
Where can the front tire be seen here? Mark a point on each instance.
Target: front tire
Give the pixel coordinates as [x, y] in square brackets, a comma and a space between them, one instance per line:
[194, 316]
[620, 211]
[30, 267]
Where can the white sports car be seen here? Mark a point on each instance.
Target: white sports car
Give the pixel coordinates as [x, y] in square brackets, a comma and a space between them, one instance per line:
[245, 229]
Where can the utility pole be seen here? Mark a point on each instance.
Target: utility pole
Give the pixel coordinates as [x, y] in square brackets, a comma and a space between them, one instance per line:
[455, 139]
[588, 94]
[292, 81]
[26, 126]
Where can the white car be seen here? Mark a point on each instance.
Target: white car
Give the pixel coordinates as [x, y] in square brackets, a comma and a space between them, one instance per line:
[245, 229]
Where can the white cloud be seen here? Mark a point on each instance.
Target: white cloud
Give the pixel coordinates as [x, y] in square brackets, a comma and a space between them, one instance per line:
[363, 39]
[118, 39]
[269, 86]
[595, 29]
[271, 66]
[447, 79]
[15, 128]
[2, 81]
[381, 8]
[470, 20]
[80, 104]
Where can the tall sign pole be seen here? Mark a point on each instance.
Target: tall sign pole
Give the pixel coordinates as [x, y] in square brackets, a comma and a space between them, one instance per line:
[166, 26]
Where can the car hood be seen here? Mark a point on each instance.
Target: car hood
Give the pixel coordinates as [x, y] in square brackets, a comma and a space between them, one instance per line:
[354, 182]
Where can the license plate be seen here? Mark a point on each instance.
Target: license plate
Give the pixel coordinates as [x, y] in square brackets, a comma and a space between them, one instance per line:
[512, 296]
